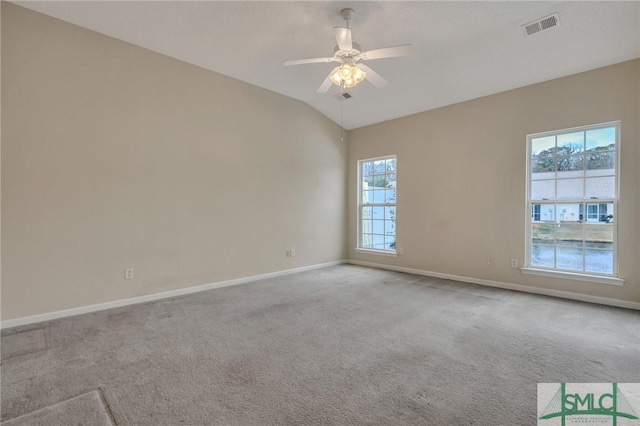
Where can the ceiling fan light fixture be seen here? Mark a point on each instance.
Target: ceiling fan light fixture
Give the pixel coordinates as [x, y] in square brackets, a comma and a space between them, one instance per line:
[348, 75]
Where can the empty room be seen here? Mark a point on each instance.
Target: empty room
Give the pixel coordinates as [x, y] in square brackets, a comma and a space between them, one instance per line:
[320, 213]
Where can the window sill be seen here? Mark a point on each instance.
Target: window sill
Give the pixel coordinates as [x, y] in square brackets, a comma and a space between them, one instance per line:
[378, 252]
[574, 276]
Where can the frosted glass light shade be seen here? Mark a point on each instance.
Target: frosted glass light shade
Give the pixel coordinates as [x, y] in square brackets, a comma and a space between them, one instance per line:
[348, 75]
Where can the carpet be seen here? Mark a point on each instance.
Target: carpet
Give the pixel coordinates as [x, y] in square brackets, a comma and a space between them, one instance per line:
[87, 409]
[339, 345]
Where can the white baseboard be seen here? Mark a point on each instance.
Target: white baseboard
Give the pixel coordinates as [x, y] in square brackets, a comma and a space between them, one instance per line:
[179, 292]
[508, 286]
[155, 296]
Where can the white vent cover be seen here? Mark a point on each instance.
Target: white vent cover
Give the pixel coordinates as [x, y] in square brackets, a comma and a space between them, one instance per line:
[541, 24]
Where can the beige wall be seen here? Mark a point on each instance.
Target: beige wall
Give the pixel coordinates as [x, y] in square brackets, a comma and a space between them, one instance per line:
[0, 162]
[461, 177]
[114, 156]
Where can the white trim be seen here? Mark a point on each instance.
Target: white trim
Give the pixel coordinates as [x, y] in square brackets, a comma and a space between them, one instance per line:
[376, 252]
[155, 296]
[575, 129]
[600, 279]
[508, 286]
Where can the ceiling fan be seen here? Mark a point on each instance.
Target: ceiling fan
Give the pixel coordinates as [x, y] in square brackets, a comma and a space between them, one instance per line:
[350, 55]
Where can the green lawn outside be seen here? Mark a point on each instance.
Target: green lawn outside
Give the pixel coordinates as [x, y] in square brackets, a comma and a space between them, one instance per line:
[572, 231]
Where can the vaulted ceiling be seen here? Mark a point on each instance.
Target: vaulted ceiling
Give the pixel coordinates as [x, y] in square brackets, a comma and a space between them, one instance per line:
[463, 50]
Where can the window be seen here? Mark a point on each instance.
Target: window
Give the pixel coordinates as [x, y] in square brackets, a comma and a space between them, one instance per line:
[572, 195]
[377, 204]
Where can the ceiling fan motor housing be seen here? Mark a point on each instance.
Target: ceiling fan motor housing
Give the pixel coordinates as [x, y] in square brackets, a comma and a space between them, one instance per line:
[342, 54]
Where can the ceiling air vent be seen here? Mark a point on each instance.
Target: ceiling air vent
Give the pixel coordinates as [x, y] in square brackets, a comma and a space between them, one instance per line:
[343, 96]
[541, 24]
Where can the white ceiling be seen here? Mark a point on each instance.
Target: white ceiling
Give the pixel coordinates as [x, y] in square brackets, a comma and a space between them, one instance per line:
[463, 50]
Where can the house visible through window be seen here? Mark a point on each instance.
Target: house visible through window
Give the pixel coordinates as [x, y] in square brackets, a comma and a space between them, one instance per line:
[536, 212]
[377, 204]
[572, 195]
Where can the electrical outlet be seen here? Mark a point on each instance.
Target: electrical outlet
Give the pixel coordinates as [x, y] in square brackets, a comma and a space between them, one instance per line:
[514, 263]
[489, 260]
[128, 274]
[401, 250]
[293, 252]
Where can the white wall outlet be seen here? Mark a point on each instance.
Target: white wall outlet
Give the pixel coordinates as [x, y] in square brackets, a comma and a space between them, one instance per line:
[293, 252]
[128, 274]
[514, 263]
[489, 260]
[401, 250]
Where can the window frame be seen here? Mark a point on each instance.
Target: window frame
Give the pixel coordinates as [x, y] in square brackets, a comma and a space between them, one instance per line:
[360, 205]
[602, 278]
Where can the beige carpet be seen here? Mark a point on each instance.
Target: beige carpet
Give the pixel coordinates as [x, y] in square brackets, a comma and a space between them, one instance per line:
[342, 345]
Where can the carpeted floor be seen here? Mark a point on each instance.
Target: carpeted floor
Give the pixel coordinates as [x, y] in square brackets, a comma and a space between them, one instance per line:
[342, 345]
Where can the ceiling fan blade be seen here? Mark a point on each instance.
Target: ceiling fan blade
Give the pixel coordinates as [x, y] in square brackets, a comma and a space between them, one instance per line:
[307, 61]
[326, 84]
[388, 52]
[343, 37]
[373, 77]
